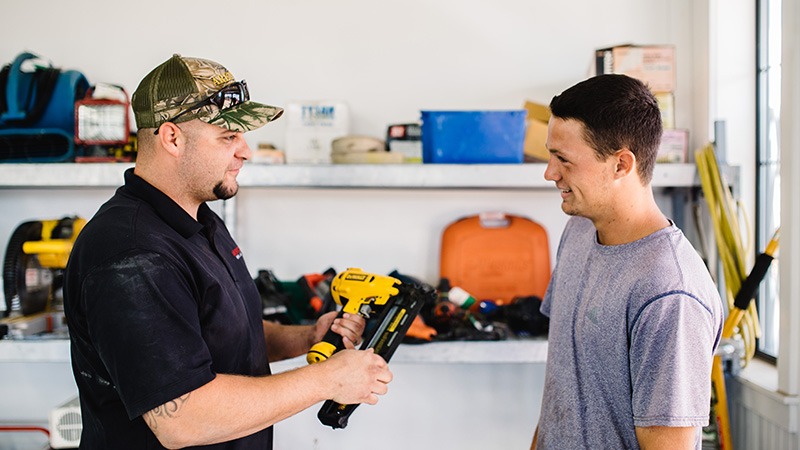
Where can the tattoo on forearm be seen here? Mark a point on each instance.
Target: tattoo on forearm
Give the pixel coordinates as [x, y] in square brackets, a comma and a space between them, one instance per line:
[167, 410]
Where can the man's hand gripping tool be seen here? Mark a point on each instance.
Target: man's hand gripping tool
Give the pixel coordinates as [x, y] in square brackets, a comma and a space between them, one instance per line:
[391, 304]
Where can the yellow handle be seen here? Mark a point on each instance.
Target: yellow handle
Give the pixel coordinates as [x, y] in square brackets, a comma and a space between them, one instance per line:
[320, 352]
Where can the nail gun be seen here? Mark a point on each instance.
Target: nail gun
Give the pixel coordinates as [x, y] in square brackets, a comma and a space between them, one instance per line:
[388, 305]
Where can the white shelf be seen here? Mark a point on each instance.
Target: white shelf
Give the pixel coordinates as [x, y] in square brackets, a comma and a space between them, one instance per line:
[34, 350]
[522, 351]
[53, 175]
[515, 351]
[378, 176]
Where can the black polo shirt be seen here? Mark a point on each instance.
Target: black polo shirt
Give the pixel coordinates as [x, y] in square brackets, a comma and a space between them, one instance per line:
[157, 304]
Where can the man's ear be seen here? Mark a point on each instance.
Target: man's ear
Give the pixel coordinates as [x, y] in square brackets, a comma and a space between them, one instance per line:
[170, 138]
[626, 162]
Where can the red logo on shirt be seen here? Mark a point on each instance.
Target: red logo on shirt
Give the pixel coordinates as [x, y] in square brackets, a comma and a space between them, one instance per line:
[236, 253]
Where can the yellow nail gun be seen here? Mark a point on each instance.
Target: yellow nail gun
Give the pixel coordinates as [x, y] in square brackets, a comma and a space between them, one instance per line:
[389, 306]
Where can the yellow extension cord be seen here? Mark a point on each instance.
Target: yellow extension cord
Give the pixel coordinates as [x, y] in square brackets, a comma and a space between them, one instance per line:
[723, 211]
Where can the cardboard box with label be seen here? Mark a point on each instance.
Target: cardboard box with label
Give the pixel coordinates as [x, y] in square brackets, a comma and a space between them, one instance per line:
[666, 104]
[311, 128]
[653, 64]
[674, 147]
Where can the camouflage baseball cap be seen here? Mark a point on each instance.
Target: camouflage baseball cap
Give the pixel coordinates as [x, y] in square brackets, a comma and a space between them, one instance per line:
[182, 86]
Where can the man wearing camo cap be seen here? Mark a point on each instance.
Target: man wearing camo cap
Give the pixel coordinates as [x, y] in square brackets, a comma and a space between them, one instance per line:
[168, 344]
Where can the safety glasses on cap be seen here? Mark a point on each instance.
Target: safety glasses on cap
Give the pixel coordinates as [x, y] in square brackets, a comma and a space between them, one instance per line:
[227, 97]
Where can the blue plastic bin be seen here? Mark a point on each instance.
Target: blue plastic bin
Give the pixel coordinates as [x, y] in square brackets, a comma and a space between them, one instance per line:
[473, 137]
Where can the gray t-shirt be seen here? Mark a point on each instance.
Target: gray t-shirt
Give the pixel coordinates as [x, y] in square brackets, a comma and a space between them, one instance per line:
[633, 330]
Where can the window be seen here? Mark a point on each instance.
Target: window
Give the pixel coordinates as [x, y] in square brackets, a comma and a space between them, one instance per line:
[768, 166]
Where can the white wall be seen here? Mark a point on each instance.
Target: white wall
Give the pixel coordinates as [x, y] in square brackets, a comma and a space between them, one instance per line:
[789, 362]
[434, 406]
[388, 60]
[378, 230]
[732, 88]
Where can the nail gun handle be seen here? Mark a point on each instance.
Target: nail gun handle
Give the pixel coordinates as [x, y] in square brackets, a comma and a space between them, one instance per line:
[335, 415]
[330, 344]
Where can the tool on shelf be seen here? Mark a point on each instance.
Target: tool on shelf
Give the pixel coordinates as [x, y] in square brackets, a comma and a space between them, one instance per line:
[35, 258]
[37, 110]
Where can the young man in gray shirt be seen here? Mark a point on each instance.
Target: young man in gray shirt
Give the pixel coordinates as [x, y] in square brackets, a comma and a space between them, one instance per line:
[635, 317]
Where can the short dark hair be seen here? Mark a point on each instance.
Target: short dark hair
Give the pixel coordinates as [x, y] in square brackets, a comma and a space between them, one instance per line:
[616, 111]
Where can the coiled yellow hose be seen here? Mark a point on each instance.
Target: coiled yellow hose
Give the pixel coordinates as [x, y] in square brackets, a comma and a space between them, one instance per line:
[731, 252]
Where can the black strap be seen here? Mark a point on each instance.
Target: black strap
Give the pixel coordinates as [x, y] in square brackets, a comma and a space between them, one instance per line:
[3, 82]
[44, 83]
[39, 94]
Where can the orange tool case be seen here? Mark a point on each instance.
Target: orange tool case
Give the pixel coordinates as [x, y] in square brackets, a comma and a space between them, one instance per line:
[496, 256]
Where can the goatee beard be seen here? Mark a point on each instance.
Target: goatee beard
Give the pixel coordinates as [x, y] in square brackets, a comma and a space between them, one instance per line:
[223, 193]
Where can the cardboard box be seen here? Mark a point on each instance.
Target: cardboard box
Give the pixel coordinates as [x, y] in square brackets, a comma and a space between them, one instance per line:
[536, 134]
[666, 103]
[674, 147]
[311, 128]
[653, 64]
[473, 137]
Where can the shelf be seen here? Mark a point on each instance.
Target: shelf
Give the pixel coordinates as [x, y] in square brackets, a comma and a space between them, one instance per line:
[62, 175]
[522, 351]
[377, 176]
[430, 176]
[34, 350]
[414, 176]
[514, 351]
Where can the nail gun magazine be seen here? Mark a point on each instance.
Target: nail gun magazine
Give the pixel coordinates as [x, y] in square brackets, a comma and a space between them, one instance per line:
[389, 307]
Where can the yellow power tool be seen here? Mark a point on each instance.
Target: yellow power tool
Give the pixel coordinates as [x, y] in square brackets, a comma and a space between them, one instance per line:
[388, 305]
[35, 258]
